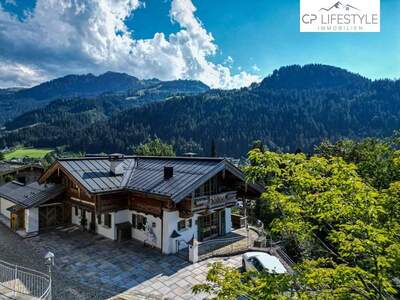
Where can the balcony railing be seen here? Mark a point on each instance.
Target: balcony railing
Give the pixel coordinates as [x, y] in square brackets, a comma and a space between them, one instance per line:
[216, 200]
[22, 283]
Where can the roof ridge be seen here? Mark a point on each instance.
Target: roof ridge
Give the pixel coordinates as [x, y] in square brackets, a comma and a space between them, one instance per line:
[107, 157]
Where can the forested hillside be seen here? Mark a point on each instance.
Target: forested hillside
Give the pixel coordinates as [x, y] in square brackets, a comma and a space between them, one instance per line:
[77, 113]
[14, 102]
[295, 107]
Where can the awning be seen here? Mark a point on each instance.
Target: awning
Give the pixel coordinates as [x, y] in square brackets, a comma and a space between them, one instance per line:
[124, 225]
[14, 208]
[175, 234]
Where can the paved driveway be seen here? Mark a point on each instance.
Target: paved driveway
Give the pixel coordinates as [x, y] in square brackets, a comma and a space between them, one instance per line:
[15, 250]
[126, 270]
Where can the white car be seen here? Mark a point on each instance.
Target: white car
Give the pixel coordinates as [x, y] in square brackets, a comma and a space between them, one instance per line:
[262, 262]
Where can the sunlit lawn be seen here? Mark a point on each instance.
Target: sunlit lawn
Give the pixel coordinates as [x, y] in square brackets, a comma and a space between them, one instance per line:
[27, 152]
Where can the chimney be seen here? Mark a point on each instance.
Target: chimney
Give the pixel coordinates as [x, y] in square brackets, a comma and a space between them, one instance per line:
[168, 172]
[116, 164]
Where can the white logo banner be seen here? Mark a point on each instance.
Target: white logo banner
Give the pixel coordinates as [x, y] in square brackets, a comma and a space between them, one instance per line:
[340, 16]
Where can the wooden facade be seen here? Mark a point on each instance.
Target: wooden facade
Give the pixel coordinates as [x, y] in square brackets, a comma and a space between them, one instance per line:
[218, 191]
[147, 204]
[183, 210]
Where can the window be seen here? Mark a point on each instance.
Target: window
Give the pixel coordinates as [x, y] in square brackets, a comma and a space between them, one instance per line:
[99, 219]
[83, 213]
[208, 188]
[257, 265]
[107, 220]
[189, 223]
[76, 211]
[181, 225]
[139, 222]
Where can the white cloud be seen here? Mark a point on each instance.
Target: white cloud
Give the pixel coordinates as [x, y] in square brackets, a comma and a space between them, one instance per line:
[18, 75]
[229, 61]
[81, 36]
[255, 68]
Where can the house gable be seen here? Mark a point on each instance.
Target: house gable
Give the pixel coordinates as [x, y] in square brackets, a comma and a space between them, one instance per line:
[145, 175]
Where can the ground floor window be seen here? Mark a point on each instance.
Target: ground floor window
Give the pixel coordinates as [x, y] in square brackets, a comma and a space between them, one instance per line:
[184, 224]
[76, 211]
[107, 220]
[99, 219]
[181, 225]
[139, 221]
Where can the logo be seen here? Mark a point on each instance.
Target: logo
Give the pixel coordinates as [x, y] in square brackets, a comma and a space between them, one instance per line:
[337, 16]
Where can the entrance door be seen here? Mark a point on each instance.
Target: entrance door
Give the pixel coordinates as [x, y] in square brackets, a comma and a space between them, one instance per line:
[210, 225]
[124, 233]
[18, 220]
[14, 222]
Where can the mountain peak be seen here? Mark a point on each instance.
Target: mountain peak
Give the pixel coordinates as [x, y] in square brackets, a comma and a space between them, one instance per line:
[340, 6]
[313, 76]
[82, 85]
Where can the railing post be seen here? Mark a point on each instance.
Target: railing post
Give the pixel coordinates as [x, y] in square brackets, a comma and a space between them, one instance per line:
[194, 252]
[50, 263]
[15, 281]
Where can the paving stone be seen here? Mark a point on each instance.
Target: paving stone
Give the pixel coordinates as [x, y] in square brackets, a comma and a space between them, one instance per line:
[97, 268]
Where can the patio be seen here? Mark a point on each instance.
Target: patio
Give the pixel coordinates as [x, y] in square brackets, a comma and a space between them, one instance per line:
[126, 270]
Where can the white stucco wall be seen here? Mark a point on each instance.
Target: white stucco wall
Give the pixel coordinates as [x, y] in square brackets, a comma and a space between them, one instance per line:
[143, 235]
[108, 232]
[228, 219]
[32, 220]
[171, 219]
[126, 216]
[3, 207]
[122, 216]
[77, 219]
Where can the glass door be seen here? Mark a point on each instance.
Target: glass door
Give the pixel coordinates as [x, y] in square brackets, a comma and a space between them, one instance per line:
[210, 226]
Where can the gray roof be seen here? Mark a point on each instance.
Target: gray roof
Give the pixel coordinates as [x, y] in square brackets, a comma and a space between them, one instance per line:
[9, 167]
[146, 174]
[31, 195]
[94, 173]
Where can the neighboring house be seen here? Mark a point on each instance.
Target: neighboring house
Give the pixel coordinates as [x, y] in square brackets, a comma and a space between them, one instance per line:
[33, 207]
[165, 202]
[21, 172]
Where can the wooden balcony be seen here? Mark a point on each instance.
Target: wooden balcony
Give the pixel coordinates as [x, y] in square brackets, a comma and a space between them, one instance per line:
[214, 201]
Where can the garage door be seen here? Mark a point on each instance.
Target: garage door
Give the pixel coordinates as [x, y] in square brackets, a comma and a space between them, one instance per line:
[51, 216]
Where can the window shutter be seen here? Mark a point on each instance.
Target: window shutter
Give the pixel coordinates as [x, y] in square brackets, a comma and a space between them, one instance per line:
[200, 222]
[133, 220]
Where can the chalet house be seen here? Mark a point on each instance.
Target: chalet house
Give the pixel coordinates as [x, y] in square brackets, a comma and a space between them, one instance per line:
[21, 172]
[165, 202]
[28, 208]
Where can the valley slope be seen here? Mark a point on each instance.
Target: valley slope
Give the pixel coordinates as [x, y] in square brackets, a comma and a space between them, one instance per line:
[295, 107]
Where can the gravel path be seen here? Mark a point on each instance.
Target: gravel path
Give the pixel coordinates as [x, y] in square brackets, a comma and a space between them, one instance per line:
[15, 250]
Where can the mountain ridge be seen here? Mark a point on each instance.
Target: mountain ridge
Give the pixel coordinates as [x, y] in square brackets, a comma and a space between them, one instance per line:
[295, 107]
[15, 102]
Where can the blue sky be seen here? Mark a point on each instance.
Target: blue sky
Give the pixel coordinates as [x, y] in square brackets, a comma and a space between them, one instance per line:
[259, 36]
[266, 33]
